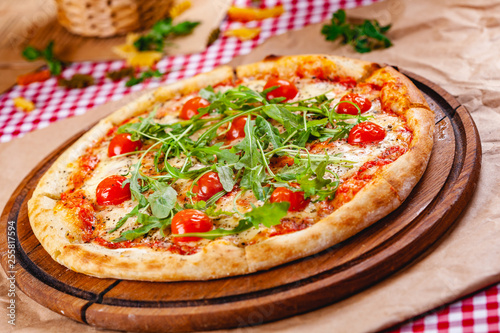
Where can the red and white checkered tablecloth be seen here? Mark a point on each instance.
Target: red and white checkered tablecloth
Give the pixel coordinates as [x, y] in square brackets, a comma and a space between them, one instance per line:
[477, 313]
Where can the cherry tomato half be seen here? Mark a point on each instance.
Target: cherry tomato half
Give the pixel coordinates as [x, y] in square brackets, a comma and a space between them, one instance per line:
[122, 143]
[187, 221]
[366, 132]
[208, 185]
[347, 108]
[237, 129]
[190, 108]
[110, 191]
[285, 89]
[296, 199]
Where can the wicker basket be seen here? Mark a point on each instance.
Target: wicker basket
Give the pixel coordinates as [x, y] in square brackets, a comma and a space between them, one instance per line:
[105, 18]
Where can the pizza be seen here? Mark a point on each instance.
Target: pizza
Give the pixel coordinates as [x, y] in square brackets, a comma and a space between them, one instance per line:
[236, 170]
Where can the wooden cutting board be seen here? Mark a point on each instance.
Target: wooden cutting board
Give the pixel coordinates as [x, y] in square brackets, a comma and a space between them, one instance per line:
[303, 285]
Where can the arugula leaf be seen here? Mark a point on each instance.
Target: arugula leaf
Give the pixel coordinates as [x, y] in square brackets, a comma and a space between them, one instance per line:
[212, 212]
[206, 154]
[252, 161]
[138, 232]
[209, 94]
[145, 128]
[269, 214]
[289, 173]
[124, 219]
[283, 115]
[341, 131]
[251, 158]
[313, 186]
[199, 205]
[162, 201]
[302, 138]
[136, 189]
[264, 130]
[364, 37]
[226, 177]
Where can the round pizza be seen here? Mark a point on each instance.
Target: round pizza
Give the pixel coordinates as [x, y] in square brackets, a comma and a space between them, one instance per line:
[235, 171]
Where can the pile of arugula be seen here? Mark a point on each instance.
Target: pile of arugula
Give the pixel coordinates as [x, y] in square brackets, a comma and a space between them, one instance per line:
[247, 163]
[363, 37]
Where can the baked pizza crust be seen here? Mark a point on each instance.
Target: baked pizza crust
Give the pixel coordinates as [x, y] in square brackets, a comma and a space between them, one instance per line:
[220, 258]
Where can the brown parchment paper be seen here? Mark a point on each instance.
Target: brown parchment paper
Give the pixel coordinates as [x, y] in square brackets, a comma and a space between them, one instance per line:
[455, 43]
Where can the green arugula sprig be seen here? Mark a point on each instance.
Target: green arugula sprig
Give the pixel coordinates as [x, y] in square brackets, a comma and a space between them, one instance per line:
[247, 163]
[161, 30]
[364, 37]
[55, 65]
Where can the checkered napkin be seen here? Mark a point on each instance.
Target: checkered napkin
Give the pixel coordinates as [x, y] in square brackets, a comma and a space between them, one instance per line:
[474, 314]
[478, 313]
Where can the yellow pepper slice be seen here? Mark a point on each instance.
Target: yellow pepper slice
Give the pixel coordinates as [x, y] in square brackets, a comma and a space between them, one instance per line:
[243, 34]
[254, 14]
[179, 8]
[144, 58]
[136, 58]
[24, 104]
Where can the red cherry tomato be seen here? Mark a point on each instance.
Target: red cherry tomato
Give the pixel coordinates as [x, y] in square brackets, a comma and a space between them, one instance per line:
[366, 132]
[237, 129]
[190, 108]
[347, 108]
[188, 221]
[296, 199]
[208, 185]
[122, 143]
[285, 89]
[110, 191]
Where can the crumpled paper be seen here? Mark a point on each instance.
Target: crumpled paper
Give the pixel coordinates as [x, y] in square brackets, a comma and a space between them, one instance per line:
[454, 43]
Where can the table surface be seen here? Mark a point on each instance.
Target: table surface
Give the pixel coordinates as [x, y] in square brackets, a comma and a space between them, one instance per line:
[478, 312]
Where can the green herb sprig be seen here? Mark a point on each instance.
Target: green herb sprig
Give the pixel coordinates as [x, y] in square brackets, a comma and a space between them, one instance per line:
[161, 30]
[55, 65]
[365, 37]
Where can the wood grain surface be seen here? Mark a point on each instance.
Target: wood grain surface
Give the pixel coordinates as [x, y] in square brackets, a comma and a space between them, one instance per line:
[303, 285]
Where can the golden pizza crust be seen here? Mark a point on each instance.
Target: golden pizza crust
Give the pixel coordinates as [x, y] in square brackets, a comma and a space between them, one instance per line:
[321, 66]
[220, 258]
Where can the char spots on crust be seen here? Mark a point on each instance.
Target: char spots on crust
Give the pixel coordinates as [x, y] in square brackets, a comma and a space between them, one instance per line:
[272, 57]
[420, 106]
[369, 70]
